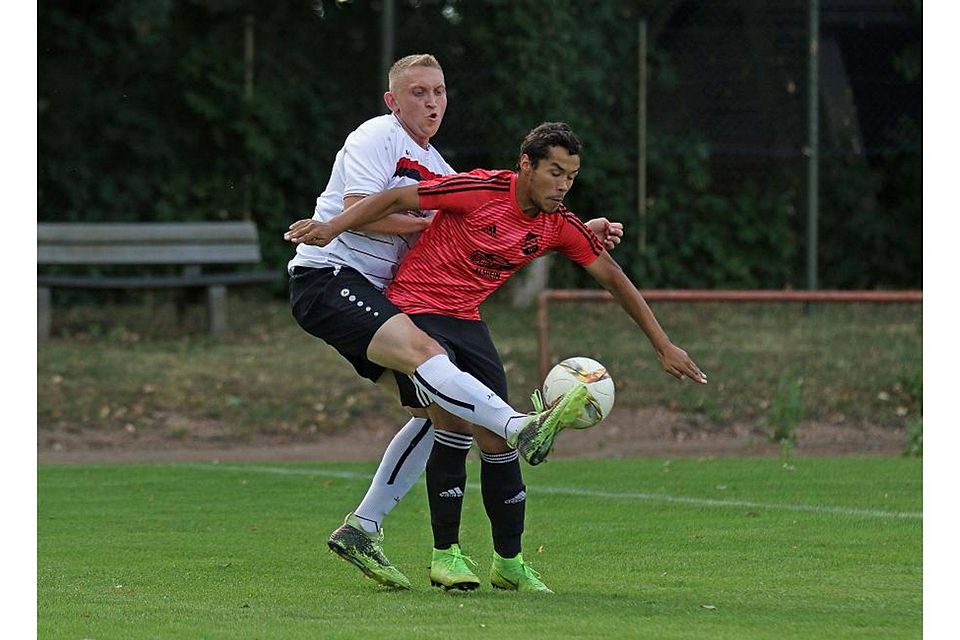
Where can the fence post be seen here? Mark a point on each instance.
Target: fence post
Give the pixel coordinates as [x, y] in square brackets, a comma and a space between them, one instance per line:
[543, 334]
[43, 313]
[217, 309]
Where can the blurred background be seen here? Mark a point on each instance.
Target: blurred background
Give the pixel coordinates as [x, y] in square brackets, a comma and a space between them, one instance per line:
[707, 131]
[175, 110]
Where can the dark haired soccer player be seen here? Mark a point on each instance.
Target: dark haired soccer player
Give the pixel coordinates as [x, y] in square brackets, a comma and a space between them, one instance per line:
[488, 225]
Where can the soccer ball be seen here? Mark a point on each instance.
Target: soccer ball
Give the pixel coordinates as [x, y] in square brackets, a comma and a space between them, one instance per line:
[586, 371]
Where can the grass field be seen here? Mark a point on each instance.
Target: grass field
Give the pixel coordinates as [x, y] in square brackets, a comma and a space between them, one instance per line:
[710, 548]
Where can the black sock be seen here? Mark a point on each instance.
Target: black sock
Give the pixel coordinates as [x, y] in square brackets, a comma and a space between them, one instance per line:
[446, 482]
[505, 499]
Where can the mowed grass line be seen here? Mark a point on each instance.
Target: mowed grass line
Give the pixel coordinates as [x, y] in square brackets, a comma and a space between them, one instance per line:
[188, 551]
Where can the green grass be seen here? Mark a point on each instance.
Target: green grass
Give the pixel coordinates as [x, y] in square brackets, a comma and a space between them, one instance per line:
[716, 548]
[131, 367]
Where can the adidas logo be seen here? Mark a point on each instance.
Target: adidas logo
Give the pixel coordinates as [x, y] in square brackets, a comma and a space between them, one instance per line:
[520, 497]
[452, 493]
[490, 230]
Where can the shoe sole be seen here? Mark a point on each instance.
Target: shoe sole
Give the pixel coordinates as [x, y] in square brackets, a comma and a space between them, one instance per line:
[458, 586]
[513, 587]
[340, 551]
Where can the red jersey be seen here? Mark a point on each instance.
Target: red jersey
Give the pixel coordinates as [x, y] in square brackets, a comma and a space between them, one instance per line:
[478, 239]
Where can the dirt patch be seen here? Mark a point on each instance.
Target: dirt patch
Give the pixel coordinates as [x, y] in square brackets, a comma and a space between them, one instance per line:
[626, 434]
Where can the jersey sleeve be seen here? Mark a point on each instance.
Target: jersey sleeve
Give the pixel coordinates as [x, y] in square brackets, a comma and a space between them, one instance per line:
[368, 164]
[577, 241]
[463, 192]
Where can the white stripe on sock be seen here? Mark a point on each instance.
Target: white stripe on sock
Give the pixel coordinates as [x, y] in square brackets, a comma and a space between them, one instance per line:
[452, 439]
[499, 458]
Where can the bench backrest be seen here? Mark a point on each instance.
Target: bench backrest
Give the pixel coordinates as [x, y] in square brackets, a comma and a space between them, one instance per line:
[147, 243]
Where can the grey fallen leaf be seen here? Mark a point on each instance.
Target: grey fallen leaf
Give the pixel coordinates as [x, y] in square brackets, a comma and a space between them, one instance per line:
[708, 606]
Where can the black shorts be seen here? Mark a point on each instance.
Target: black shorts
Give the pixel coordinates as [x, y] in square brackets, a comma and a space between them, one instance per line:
[342, 308]
[470, 347]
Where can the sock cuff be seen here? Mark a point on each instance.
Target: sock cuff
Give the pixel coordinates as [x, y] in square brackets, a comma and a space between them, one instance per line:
[437, 369]
[453, 439]
[499, 458]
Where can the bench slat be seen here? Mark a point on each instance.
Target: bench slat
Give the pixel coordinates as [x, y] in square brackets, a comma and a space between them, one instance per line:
[70, 233]
[148, 254]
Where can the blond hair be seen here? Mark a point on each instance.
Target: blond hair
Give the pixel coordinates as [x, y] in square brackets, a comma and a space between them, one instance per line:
[415, 60]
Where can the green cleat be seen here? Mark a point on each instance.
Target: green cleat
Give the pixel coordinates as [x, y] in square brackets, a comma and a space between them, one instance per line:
[363, 550]
[514, 574]
[535, 439]
[448, 569]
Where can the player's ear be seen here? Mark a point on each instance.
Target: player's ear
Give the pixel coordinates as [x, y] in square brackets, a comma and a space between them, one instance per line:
[390, 100]
[524, 163]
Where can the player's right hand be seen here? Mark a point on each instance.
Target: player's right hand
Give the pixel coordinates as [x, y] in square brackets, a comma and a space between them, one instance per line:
[309, 231]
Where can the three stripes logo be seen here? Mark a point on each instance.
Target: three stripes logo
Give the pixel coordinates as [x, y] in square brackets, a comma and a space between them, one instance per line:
[490, 230]
[455, 492]
[520, 497]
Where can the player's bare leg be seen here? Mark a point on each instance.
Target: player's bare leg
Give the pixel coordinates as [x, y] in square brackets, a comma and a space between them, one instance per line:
[400, 345]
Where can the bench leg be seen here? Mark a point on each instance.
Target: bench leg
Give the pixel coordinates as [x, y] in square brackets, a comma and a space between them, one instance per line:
[43, 313]
[217, 309]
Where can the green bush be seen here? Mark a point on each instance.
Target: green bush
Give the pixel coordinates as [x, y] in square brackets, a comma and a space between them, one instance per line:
[785, 412]
[914, 446]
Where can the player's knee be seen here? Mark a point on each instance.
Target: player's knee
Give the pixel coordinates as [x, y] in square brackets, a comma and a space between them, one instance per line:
[401, 346]
[448, 422]
[423, 348]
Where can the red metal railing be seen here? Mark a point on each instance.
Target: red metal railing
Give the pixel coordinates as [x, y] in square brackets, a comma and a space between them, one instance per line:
[695, 295]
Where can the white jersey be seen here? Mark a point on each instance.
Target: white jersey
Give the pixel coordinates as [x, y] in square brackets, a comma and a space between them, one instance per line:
[378, 155]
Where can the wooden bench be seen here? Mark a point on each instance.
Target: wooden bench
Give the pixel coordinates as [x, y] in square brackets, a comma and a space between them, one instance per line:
[191, 245]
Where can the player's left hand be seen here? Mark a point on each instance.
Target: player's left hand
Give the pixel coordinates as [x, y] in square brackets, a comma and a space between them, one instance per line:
[610, 233]
[309, 231]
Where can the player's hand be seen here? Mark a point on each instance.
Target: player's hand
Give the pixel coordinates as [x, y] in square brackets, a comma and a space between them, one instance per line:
[610, 233]
[677, 363]
[309, 231]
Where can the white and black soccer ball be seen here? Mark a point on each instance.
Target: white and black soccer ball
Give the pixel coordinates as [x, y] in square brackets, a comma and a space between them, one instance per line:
[592, 374]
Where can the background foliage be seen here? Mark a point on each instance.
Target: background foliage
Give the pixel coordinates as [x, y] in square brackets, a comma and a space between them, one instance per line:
[143, 115]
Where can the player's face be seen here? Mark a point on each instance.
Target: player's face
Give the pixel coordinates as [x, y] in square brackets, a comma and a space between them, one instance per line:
[419, 101]
[552, 178]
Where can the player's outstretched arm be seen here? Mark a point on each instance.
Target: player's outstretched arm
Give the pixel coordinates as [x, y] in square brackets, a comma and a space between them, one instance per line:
[673, 359]
[367, 210]
[393, 224]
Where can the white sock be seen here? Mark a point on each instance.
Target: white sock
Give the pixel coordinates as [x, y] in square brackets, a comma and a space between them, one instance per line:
[402, 464]
[466, 397]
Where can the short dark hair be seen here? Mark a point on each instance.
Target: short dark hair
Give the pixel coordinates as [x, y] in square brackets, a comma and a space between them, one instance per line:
[549, 134]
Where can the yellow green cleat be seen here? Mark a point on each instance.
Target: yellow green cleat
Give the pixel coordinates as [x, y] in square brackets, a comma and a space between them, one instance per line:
[514, 574]
[448, 569]
[535, 439]
[362, 549]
